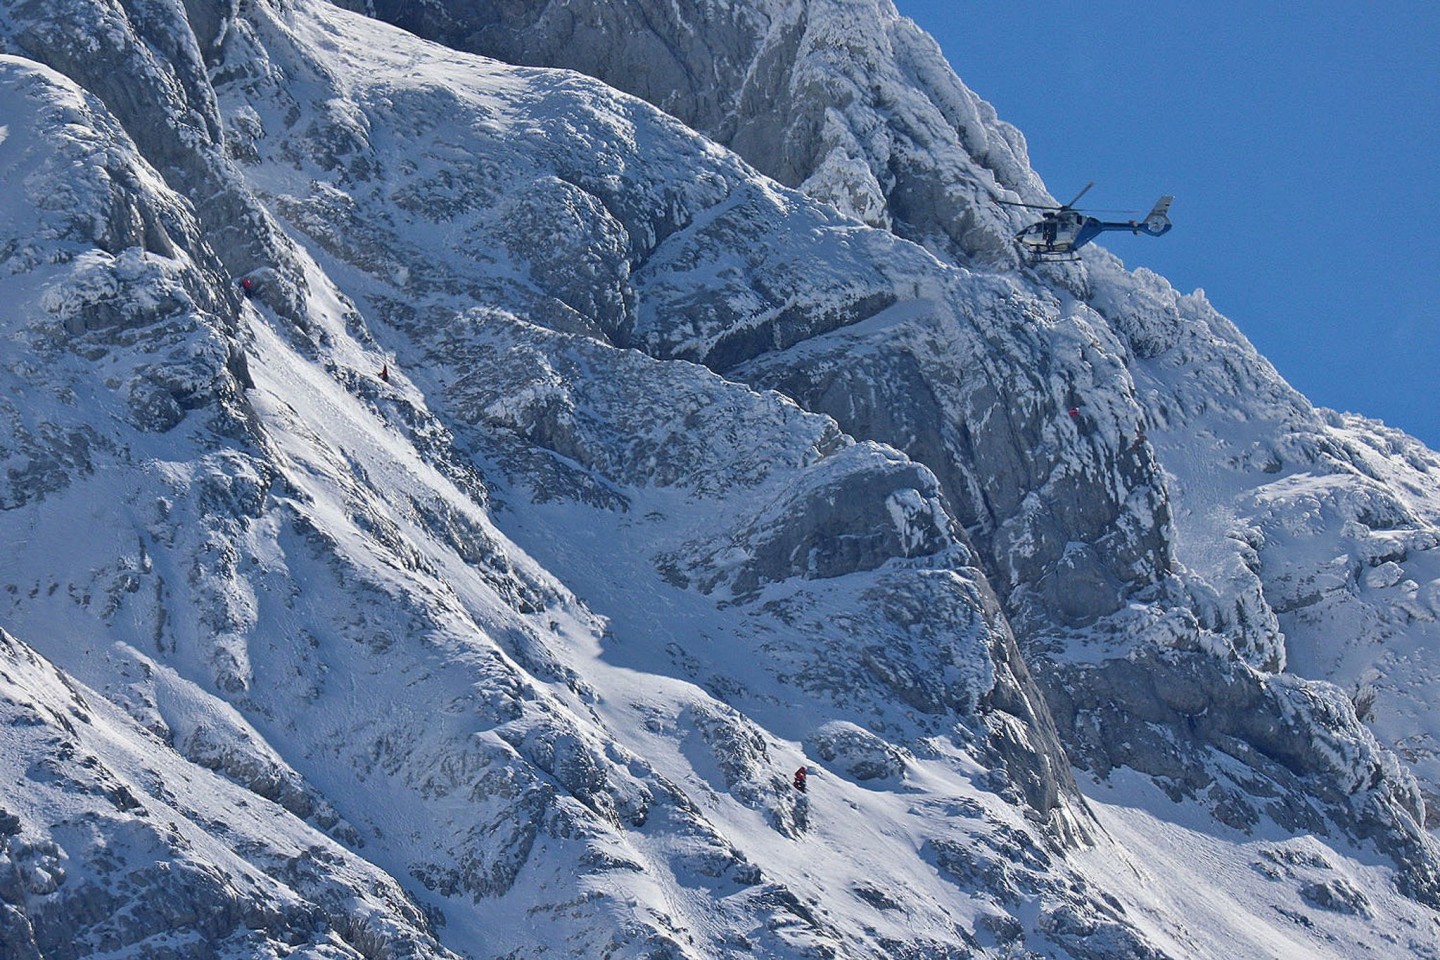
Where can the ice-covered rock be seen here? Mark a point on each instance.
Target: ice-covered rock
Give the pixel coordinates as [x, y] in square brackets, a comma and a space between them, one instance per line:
[676, 480]
[111, 842]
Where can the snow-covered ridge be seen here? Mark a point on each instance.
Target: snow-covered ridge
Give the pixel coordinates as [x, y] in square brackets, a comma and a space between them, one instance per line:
[160, 853]
[538, 627]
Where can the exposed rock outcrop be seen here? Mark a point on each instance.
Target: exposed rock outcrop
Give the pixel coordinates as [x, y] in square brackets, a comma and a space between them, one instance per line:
[675, 480]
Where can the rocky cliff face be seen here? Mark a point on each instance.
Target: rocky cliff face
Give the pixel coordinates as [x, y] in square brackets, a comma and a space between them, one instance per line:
[846, 100]
[116, 845]
[853, 105]
[678, 479]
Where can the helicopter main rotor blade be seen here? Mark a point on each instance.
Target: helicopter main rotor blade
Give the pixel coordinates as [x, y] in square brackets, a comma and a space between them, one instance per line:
[1032, 206]
[1079, 195]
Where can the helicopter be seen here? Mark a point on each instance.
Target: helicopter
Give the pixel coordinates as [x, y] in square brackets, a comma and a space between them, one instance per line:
[1063, 230]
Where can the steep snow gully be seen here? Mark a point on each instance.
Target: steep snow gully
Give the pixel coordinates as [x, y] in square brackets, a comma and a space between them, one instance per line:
[723, 433]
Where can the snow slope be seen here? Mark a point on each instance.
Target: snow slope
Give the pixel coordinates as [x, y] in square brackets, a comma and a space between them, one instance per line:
[680, 480]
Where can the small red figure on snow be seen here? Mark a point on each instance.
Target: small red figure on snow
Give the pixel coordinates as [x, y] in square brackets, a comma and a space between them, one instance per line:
[1074, 413]
[385, 373]
[247, 286]
[800, 776]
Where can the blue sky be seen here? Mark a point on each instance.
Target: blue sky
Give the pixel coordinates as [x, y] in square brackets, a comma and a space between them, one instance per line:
[1301, 142]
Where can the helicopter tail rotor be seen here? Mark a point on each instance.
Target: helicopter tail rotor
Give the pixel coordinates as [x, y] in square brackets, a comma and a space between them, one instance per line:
[1157, 221]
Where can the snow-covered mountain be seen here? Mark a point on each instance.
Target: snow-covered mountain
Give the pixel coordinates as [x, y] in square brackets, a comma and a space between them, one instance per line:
[721, 433]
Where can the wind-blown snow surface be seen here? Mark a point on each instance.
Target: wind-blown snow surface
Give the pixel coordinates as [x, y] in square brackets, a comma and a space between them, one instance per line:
[538, 629]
